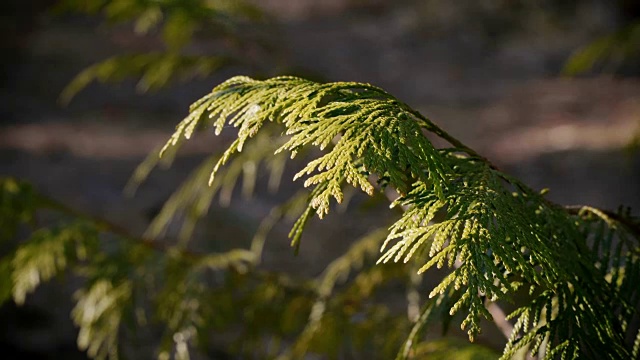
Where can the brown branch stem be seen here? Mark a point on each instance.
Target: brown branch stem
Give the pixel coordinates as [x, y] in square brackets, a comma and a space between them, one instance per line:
[110, 227]
[632, 227]
[104, 225]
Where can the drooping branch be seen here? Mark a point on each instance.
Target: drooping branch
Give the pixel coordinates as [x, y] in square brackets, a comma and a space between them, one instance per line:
[491, 228]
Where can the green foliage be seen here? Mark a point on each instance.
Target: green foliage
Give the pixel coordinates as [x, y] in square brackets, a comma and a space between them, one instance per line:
[98, 314]
[363, 286]
[135, 283]
[607, 52]
[568, 274]
[156, 70]
[47, 253]
[385, 140]
[194, 197]
[496, 234]
[177, 24]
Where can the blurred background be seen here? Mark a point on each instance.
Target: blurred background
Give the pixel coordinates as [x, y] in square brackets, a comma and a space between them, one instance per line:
[548, 90]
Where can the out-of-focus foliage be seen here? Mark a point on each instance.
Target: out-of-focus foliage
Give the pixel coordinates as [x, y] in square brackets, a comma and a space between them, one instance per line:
[194, 197]
[451, 348]
[155, 70]
[612, 53]
[175, 25]
[606, 53]
[138, 283]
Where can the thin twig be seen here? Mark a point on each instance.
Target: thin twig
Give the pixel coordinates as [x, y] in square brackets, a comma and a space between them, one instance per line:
[108, 226]
[435, 129]
[632, 226]
[104, 225]
[499, 316]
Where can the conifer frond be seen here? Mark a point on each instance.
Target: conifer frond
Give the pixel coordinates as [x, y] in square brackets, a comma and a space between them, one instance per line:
[495, 236]
[184, 302]
[494, 232]
[194, 197]
[144, 169]
[488, 232]
[290, 209]
[98, 313]
[147, 14]
[180, 305]
[338, 270]
[177, 23]
[368, 132]
[48, 253]
[433, 310]
[124, 274]
[352, 260]
[600, 299]
[154, 70]
[607, 52]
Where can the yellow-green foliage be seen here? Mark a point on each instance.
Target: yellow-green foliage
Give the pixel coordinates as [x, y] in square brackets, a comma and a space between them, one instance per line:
[495, 234]
[47, 253]
[569, 274]
[176, 23]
